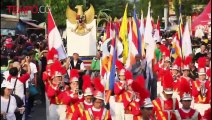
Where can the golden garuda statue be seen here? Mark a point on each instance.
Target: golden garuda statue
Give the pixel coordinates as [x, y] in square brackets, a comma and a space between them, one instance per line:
[80, 19]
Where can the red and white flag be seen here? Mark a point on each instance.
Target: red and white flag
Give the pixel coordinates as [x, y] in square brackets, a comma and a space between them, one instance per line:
[54, 37]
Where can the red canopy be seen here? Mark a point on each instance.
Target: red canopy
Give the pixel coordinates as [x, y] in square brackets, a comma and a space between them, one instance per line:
[203, 18]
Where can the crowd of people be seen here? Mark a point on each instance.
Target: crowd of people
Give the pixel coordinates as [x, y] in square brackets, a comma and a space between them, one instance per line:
[180, 87]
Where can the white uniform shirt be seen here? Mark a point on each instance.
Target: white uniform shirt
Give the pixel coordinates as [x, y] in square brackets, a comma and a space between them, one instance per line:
[12, 107]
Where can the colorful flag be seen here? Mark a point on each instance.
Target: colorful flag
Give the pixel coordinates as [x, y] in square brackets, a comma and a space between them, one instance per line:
[123, 34]
[142, 29]
[54, 37]
[132, 49]
[150, 44]
[136, 37]
[176, 51]
[186, 42]
[112, 70]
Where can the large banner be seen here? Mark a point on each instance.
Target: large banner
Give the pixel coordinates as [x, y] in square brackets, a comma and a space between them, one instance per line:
[83, 44]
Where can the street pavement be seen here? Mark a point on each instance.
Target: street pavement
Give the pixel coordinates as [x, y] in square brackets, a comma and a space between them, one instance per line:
[39, 112]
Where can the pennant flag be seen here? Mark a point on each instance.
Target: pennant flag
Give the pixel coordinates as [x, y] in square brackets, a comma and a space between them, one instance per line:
[123, 34]
[142, 29]
[54, 37]
[150, 44]
[186, 42]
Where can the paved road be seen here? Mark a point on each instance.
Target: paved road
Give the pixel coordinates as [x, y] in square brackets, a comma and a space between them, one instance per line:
[39, 112]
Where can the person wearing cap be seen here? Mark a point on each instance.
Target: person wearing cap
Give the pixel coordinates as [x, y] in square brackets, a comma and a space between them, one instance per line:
[186, 71]
[130, 99]
[200, 88]
[163, 41]
[88, 99]
[163, 67]
[186, 112]
[46, 77]
[165, 104]
[71, 96]
[98, 111]
[175, 71]
[56, 108]
[7, 98]
[146, 110]
[119, 90]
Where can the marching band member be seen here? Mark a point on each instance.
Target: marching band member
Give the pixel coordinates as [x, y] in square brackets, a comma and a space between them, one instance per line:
[46, 77]
[119, 90]
[163, 67]
[207, 115]
[97, 111]
[129, 99]
[71, 97]
[166, 104]
[141, 103]
[186, 69]
[53, 91]
[186, 112]
[175, 70]
[200, 88]
[87, 102]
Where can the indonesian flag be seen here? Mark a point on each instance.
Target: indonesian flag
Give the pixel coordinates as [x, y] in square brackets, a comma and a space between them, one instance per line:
[54, 38]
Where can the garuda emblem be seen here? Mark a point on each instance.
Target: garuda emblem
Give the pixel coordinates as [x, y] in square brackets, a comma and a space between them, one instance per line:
[80, 19]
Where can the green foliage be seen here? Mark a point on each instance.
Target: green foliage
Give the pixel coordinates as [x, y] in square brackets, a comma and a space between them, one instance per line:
[104, 8]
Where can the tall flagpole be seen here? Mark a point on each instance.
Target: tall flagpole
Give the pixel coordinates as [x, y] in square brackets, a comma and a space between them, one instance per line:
[17, 10]
[179, 25]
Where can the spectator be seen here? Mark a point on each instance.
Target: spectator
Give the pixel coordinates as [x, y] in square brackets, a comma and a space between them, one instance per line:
[8, 102]
[32, 82]
[78, 64]
[139, 67]
[193, 71]
[95, 65]
[202, 52]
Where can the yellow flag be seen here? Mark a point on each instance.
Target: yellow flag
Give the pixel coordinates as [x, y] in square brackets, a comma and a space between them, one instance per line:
[123, 34]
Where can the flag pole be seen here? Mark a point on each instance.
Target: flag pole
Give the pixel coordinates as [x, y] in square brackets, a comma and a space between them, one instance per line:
[180, 31]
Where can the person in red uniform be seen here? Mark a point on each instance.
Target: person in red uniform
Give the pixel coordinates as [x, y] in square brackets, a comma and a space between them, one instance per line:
[175, 70]
[53, 91]
[207, 115]
[200, 88]
[141, 103]
[119, 90]
[130, 99]
[186, 112]
[186, 69]
[165, 105]
[71, 97]
[87, 102]
[46, 77]
[164, 67]
[97, 111]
